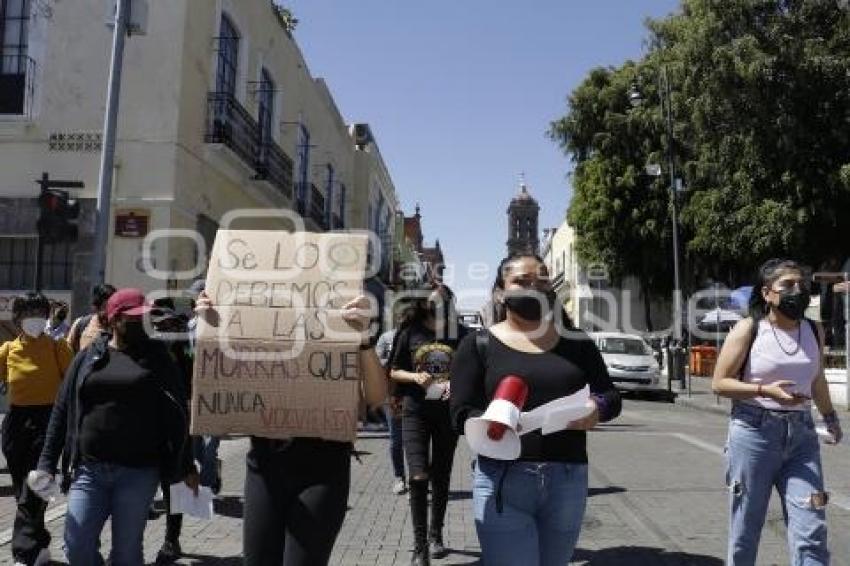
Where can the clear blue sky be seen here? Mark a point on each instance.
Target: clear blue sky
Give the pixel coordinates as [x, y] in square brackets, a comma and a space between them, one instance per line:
[460, 93]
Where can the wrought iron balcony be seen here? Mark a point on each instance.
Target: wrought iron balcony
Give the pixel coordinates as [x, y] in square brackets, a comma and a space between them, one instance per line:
[17, 84]
[275, 166]
[229, 123]
[317, 207]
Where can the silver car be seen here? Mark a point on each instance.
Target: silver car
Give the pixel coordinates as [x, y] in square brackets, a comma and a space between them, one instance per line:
[630, 361]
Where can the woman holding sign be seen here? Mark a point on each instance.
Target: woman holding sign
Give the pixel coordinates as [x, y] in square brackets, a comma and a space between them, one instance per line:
[296, 490]
[529, 510]
[421, 359]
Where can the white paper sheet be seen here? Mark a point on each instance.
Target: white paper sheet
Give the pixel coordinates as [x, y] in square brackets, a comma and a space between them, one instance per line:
[183, 500]
[556, 415]
[436, 390]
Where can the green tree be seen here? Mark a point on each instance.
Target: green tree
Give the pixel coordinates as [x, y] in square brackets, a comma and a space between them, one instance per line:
[620, 214]
[761, 104]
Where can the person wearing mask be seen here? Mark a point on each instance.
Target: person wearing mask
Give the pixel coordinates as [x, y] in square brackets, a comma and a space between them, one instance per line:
[420, 366]
[57, 325]
[121, 387]
[32, 367]
[296, 490]
[529, 511]
[87, 328]
[771, 366]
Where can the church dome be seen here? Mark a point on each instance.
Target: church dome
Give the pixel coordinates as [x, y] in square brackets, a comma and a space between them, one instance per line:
[523, 197]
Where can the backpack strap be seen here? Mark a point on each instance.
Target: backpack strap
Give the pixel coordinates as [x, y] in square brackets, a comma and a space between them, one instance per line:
[754, 332]
[815, 331]
[482, 340]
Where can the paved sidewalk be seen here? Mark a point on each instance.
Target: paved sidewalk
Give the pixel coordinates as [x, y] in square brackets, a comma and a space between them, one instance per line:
[656, 497]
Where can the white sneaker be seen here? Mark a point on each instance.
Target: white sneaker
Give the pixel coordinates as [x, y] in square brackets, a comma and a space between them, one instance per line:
[399, 487]
[43, 557]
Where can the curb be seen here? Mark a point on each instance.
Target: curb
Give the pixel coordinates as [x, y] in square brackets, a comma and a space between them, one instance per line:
[711, 407]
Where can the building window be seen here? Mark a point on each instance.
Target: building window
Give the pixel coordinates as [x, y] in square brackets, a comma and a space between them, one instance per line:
[228, 57]
[302, 151]
[378, 211]
[265, 112]
[342, 191]
[14, 62]
[17, 264]
[329, 195]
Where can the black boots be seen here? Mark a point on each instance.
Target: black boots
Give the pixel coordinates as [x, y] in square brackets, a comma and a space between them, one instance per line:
[419, 519]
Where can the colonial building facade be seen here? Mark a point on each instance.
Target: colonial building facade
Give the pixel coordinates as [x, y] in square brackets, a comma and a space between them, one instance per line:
[218, 113]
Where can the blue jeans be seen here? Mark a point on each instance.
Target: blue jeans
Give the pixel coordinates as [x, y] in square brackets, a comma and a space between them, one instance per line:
[396, 447]
[205, 450]
[542, 507]
[775, 449]
[100, 491]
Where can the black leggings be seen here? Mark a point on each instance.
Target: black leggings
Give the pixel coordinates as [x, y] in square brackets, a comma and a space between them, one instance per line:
[427, 428]
[296, 496]
[23, 430]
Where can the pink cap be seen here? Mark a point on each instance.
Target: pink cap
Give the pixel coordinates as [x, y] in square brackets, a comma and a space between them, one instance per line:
[129, 302]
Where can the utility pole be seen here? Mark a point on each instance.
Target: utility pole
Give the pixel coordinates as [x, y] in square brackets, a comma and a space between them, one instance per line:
[107, 156]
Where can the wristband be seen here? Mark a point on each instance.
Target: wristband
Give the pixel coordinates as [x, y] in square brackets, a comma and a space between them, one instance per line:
[601, 406]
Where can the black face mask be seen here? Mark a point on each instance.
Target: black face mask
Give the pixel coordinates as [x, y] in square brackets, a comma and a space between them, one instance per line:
[529, 306]
[794, 305]
[134, 333]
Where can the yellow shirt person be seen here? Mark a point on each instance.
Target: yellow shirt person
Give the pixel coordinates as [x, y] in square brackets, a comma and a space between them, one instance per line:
[33, 368]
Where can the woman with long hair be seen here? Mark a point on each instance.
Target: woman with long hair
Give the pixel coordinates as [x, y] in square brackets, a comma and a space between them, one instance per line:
[529, 511]
[422, 358]
[771, 367]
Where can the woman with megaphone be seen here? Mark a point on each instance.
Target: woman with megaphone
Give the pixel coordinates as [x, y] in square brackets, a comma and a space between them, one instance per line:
[530, 498]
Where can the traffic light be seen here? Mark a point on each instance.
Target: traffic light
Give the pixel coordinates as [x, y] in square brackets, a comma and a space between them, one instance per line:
[57, 211]
[58, 214]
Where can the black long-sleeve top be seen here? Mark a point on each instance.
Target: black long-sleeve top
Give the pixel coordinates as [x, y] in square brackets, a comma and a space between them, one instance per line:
[165, 415]
[565, 369]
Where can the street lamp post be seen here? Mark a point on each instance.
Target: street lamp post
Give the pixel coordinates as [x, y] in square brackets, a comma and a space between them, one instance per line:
[635, 98]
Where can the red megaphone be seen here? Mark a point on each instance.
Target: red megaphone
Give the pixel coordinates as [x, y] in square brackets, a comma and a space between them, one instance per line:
[514, 389]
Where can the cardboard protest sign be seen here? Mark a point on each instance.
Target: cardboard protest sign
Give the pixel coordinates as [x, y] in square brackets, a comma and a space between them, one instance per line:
[277, 359]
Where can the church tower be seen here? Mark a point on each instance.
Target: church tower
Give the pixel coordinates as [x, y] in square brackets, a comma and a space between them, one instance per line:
[522, 223]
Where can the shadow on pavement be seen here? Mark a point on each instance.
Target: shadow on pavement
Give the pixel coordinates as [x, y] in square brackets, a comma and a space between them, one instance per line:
[458, 494]
[641, 556]
[204, 559]
[228, 506]
[605, 490]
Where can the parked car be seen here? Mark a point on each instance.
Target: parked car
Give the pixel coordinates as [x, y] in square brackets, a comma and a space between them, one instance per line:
[631, 362]
[470, 319]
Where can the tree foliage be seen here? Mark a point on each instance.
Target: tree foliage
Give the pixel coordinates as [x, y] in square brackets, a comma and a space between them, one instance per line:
[761, 105]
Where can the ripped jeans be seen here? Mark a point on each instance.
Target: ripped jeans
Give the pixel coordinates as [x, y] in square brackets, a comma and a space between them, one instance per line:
[768, 449]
